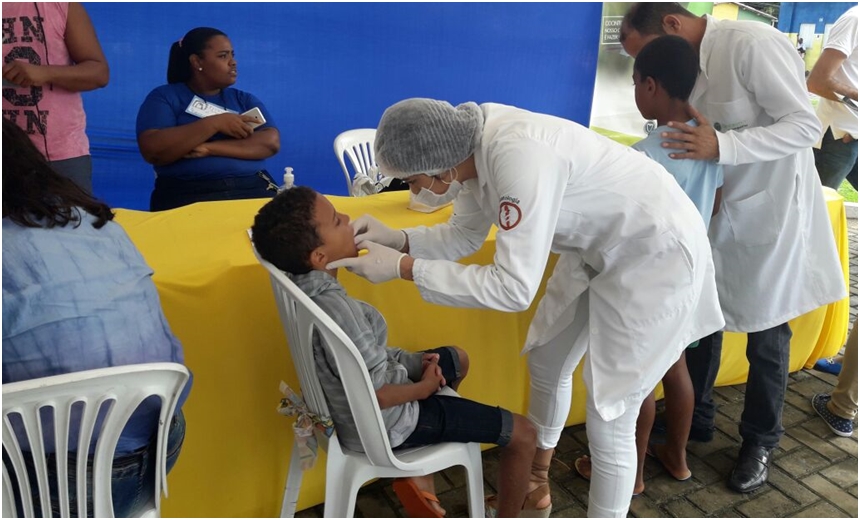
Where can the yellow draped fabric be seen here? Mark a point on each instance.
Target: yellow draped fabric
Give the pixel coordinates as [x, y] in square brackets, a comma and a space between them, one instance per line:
[219, 303]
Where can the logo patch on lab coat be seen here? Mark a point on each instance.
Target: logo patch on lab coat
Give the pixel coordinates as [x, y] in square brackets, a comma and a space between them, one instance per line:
[509, 215]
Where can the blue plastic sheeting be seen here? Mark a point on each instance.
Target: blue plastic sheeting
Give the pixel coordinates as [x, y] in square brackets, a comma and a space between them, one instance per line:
[325, 68]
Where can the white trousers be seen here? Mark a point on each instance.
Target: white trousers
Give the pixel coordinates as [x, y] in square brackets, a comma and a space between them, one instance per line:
[612, 443]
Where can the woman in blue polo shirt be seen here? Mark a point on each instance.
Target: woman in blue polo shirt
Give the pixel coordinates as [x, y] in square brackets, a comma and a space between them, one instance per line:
[193, 131]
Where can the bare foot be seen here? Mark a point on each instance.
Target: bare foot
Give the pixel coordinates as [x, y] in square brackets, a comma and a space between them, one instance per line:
[427, 484]
[583, 467]
[538, 497]
[676, 468]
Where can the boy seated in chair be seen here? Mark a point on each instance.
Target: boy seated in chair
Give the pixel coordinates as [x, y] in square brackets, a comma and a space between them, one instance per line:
[300, 232]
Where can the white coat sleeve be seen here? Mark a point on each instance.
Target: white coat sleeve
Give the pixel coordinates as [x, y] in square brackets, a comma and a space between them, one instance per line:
[462, 235]
[769, 70]
[530, 180]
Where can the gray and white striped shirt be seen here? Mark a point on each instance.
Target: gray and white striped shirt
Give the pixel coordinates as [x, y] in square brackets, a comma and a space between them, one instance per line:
[366, 327]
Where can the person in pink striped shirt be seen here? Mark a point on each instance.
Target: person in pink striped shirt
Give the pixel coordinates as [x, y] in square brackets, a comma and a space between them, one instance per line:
[51, 54]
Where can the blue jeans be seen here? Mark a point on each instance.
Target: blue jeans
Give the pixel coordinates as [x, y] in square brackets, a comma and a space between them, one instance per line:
[836, 161]
[767, 352]
[78, 169]
[444, 418]
[132, 478]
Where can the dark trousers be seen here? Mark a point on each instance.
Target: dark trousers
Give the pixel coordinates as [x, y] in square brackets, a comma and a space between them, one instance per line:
[172, 193]
[836, 161]
[444, 418]
[767, 352]
[78, 169]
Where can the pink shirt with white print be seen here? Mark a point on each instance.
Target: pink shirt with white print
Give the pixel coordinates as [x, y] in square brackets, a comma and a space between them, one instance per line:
[49, 114]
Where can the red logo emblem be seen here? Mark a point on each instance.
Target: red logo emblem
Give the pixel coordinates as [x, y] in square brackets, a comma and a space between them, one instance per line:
[509, 215]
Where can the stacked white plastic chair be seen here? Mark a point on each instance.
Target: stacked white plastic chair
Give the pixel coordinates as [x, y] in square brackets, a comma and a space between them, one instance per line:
[358, 146]
[119, 390]
[347, 470]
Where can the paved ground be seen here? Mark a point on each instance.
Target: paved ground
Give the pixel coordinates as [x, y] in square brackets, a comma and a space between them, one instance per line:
[814, 473]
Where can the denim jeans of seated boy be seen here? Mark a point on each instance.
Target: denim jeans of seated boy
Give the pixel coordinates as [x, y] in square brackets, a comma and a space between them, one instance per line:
[132, 477]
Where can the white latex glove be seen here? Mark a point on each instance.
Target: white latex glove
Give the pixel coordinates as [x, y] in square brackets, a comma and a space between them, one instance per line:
[367, 228]
[380, 264]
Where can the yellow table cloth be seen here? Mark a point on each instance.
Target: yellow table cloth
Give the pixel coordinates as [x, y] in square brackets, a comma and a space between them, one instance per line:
[219, 303]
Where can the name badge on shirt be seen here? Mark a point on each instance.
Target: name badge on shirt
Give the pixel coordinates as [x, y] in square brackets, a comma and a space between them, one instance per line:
[201, 108]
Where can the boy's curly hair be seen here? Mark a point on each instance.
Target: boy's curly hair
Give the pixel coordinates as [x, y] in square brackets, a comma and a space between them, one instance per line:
[672, 62]
[285, 232]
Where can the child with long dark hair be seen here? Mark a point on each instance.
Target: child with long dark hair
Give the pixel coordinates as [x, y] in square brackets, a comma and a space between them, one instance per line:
[78, 295]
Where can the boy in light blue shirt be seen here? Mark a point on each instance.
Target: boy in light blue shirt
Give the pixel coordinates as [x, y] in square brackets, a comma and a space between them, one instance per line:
[663, 78]
[664, 75]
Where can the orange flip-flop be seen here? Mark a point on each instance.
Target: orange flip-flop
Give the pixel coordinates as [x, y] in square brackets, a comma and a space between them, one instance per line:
[414, 500]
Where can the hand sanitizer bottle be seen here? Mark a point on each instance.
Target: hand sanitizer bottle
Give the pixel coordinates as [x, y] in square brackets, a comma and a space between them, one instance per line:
[289, 178]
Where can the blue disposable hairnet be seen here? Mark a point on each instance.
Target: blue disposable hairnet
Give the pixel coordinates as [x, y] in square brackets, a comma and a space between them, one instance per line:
[426, 136]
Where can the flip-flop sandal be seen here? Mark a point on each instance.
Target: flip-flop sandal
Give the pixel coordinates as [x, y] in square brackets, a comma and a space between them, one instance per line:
[491, 510]
[651, 453]
[828, 365]
[414, 500]
[578, 465]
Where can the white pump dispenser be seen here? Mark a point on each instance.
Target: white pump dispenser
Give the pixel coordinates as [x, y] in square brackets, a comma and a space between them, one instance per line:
[289, 178]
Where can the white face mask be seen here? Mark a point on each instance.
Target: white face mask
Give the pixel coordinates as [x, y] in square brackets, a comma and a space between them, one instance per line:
[437, 200]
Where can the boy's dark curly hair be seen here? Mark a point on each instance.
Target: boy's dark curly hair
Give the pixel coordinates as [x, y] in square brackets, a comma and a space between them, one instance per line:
[285, 232]
[672, 62]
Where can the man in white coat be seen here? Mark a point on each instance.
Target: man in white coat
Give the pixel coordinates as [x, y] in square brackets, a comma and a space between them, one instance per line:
[633, 285]
[773, 248]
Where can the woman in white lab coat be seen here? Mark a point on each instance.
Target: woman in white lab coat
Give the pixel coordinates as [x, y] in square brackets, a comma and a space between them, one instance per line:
[633, 286]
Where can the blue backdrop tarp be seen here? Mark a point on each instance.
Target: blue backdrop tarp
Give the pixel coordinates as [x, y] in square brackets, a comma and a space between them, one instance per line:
[325, 68]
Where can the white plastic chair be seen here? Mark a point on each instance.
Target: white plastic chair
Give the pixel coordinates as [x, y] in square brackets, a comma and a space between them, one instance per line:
[347, 470]
[358, 146]
[120, 389]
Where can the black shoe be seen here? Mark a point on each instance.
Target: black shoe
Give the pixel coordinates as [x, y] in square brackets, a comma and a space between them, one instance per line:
[697, 433]
[751, 468]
